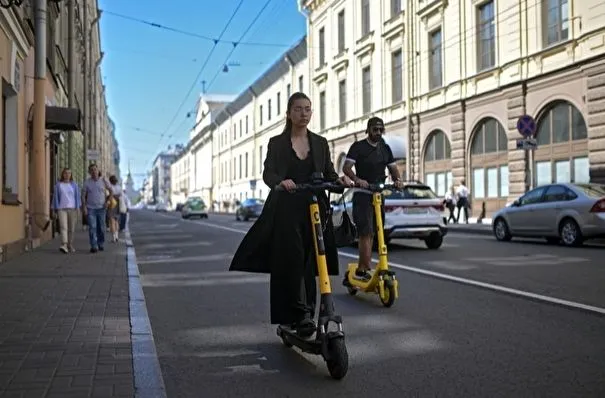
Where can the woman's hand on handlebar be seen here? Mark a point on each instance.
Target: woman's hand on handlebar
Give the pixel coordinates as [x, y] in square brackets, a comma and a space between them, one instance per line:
[288, 185]
[361, 183]
[346, 181]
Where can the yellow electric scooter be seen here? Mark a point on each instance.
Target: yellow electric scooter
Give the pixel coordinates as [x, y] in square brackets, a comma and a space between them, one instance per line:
[329, 343]
[383, 280]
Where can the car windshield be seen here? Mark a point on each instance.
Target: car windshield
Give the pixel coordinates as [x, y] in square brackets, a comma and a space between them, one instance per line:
[252, 202]
[592, 190]
[195, 201]
[411, 192]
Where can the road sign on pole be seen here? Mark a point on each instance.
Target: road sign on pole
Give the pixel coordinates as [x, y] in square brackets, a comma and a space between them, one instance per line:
[526, 125]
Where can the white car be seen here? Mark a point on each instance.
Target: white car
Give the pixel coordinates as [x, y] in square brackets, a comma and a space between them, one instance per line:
[161, 207]
[415, 212]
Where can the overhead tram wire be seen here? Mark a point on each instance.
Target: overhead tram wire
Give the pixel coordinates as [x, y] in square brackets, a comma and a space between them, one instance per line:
[187, 33]
[237, 42]
[216, 42]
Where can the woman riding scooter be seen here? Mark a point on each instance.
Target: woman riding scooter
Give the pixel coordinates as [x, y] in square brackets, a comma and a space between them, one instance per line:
[281, 241]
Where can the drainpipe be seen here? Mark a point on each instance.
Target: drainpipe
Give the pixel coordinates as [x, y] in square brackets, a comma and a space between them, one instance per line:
[71, 65]
[92, 103]
[39, 194]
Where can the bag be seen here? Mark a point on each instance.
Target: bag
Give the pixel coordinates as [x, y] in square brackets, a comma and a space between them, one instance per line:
[346, 233]
[122, 202]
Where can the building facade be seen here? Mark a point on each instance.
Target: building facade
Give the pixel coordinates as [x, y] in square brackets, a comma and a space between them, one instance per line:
[63, 146]
[452, 78]
[242, 130]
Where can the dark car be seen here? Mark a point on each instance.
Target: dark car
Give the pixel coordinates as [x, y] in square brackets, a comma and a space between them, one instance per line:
[249, 208]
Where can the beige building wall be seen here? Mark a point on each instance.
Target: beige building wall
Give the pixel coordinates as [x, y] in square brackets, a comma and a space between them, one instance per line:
[470, 70]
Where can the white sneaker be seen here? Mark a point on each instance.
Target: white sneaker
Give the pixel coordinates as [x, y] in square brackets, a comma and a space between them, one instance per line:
[64, 249]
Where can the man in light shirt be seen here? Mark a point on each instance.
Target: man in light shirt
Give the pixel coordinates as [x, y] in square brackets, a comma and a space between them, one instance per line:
[462, 200]
[94, 205]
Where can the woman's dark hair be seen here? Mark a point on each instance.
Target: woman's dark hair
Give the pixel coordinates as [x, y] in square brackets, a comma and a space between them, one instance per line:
[71, 175]
[113, 180]
[296, 96]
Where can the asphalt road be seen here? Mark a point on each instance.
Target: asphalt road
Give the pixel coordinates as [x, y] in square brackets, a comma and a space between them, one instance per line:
[445, 336]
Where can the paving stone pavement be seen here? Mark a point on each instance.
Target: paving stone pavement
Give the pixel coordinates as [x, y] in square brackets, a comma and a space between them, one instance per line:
[64, 323]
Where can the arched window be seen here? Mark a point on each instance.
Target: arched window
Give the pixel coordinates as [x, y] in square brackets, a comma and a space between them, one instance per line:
[438, 162]
[562, 153]
[489, 165]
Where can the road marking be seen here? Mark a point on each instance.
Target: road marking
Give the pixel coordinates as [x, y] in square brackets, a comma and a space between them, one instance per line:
[464, 281]
[211, 257]
[148, 246]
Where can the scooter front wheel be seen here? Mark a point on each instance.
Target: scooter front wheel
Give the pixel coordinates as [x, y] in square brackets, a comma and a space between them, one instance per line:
[338, 361]
[388, 299]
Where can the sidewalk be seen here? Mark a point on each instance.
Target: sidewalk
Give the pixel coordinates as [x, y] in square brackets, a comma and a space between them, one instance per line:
[65, 323]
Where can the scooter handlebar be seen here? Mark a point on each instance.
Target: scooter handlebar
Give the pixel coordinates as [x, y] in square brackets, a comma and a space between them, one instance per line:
[334, 187]
[381, 187]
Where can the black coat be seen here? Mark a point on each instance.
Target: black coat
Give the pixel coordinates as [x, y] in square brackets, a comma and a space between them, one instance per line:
[254, 252]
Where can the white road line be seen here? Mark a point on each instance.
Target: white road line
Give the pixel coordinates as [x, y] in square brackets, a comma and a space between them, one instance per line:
[465, 281]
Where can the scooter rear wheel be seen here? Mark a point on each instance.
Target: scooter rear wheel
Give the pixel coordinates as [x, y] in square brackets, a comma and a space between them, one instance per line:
[338, 363]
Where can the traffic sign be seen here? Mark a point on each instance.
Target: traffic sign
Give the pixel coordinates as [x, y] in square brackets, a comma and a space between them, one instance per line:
[526, 125]
[527, 144]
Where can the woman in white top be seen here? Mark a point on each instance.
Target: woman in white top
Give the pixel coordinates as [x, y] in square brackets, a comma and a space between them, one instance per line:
[66, 203]
[113, 209]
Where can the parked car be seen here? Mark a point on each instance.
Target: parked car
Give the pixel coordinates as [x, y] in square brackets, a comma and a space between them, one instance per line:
[416, 212]
[571, 213]
[161, 207]
[194, 207]
[249, 208]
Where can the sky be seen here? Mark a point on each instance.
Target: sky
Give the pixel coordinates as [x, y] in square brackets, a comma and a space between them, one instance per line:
[149, 71]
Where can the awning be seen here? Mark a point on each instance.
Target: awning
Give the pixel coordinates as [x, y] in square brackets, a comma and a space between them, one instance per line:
[62, 119]
[398, 146]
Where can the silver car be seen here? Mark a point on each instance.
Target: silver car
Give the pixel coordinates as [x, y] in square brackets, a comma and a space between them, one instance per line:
[571, 213]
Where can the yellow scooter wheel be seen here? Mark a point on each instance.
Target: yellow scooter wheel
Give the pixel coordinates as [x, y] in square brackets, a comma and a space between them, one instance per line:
[388, 298]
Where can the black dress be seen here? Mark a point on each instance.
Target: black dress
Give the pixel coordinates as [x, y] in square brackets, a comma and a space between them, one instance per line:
[293, 286]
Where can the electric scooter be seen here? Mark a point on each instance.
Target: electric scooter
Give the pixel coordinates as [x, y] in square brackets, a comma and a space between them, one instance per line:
[330, 344]
[383, 281]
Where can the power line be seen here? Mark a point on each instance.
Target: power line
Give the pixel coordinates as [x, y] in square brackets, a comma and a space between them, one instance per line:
[200, 72]
[236, 43]
[187, 33]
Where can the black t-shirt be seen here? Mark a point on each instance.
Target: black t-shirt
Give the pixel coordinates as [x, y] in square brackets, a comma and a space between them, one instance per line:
[370, 161]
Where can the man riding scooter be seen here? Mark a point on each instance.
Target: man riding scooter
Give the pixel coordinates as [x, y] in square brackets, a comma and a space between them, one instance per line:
[370, 158]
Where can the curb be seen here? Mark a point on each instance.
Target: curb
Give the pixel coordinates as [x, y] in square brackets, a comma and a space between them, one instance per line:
[469, 230]
[148, 380]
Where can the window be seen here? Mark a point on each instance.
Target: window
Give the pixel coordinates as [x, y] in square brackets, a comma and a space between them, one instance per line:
[366, 90]
[288, 91]
[322, 47]
[365, 17]
[341, 31]
[300, 84]
[322, 110]
[556, 21]
[10, 146]
[246, 164]
[278, 103]
[342, 100]
[489, 137]
[504, 181]
[246, 124]
[435, 63]
[396, 76]
[562, 123]
[260, 116]
[486, 36]
[260, 159]
[439, 182]
[269, 110]
[479, 183]
[575, 170]
[532, 197]
[558, 193]
[438, 147]
[240, 166]
[395, 8]
[240, 128]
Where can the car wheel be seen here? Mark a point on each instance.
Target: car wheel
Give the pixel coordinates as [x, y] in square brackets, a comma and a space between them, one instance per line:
[570, 233]
[501, 231]
[434, 241]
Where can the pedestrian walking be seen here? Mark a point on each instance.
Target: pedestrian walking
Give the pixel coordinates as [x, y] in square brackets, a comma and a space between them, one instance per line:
[94, 205]
[65, 205]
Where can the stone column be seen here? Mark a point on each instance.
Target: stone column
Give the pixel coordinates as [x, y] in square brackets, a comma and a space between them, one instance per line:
[458, 142]
[517, 175]
[595, 121]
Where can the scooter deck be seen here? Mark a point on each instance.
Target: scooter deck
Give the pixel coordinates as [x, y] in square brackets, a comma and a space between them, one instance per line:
[310, 345]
